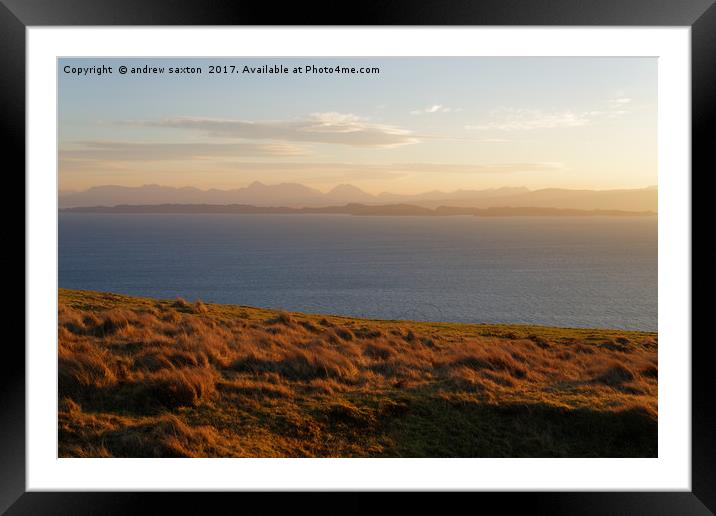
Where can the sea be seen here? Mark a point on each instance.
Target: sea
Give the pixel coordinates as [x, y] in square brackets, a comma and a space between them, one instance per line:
[592, 271]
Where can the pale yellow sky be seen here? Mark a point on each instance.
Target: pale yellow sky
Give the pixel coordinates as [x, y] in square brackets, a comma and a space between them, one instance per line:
[420, 124]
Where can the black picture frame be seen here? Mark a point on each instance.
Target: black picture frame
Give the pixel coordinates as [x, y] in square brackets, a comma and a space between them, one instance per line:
[17, 15]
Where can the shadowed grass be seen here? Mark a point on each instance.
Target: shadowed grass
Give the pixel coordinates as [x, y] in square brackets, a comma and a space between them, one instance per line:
[152, 378]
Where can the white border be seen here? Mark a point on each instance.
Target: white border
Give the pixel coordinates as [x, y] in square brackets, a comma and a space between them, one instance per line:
[671, 471]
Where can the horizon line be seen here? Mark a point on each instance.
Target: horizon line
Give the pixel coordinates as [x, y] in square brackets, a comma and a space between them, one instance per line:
[338, 185]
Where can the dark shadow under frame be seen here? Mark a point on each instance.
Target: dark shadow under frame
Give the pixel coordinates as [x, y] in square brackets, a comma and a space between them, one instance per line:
[16, 15]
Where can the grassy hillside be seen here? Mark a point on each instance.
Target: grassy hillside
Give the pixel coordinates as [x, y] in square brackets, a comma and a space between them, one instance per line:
[148, 378]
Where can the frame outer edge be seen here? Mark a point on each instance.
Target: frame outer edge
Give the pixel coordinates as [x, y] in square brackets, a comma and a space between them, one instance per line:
[703, 118]
[12, 366]
[369, 12]
[12, 82]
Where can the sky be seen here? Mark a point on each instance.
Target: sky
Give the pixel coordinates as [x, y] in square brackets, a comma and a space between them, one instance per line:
[420, 124]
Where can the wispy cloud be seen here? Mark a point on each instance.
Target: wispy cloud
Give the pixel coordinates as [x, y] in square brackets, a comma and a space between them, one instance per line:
[527, 119]
[617, 107]
[390, 169]
[434, 108]
[620, 101]
[112, 151]
[511, 119]
[485, 168]
[329, 127]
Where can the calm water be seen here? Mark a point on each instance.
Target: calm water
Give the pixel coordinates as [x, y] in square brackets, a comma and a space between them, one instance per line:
[590, 272]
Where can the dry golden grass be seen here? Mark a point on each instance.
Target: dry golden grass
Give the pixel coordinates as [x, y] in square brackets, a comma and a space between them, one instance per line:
[146, 378]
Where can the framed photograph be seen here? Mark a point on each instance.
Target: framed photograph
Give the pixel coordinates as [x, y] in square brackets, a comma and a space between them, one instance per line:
[434, 247]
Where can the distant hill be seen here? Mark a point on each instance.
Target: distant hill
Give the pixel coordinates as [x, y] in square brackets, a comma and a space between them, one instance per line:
[295, 195]
[352, 209]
